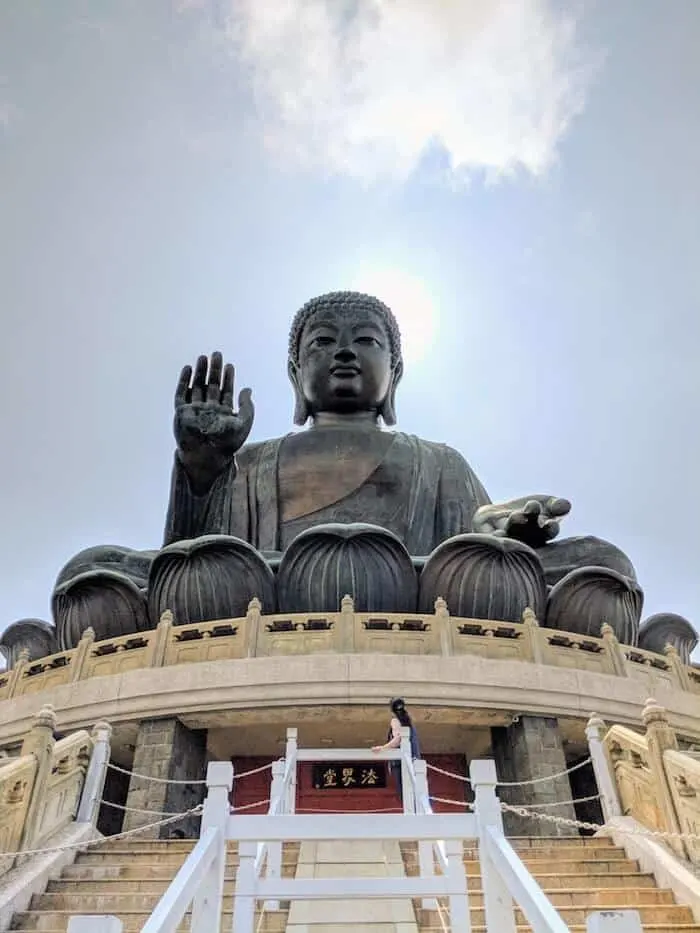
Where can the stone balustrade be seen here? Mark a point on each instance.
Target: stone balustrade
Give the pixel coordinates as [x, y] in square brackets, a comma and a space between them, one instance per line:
[349, 632]
[657, 784]
[40, 790]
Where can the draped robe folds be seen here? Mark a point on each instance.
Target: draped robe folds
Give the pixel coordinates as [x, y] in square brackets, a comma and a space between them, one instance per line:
[423, 492]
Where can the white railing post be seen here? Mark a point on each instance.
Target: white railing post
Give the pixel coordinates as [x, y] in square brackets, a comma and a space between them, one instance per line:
[291, 759]
[207, 902]
[614, 921]
[425, 848]
[487, 808]
[460, 916]
[406, 762]
[244, 900]
[274, 849]
[609, 799]
[93, 787]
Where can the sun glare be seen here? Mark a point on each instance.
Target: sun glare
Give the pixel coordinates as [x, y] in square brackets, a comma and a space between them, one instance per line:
[409, 299]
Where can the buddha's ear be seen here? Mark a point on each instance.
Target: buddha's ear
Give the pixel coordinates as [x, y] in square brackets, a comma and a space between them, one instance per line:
[388, 409]
[301, 407]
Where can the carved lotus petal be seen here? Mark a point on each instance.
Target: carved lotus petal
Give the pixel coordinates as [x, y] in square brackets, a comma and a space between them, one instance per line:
[328, 562]
[484, 577]
[107, 601]
[667, 628]
[587, 598]
[33, 636]
[208, 578]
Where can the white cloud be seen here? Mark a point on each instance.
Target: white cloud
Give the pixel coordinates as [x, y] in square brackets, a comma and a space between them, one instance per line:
[366, 88]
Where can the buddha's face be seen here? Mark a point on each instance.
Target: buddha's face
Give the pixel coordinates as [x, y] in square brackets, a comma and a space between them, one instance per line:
[344, 362]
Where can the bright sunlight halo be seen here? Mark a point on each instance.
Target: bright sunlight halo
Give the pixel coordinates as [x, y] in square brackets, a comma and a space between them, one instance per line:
[409, 299]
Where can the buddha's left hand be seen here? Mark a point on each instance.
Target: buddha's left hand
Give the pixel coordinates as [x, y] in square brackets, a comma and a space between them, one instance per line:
[534, 520]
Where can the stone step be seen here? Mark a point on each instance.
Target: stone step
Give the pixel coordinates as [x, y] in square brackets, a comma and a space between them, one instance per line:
[574, 928]
[566, 852]
[97, 877]
[668, 918]
[108, 900]
[57, 922]
[568, 867]
[141, 865]
[520, 842]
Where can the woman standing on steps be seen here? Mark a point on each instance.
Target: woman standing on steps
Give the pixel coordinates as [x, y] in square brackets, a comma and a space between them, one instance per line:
[400, 719]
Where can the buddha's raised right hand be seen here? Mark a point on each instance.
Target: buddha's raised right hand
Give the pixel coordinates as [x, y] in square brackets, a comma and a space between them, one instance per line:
[208, 431]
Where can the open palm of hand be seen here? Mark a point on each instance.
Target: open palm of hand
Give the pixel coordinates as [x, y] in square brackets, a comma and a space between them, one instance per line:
[207, 430]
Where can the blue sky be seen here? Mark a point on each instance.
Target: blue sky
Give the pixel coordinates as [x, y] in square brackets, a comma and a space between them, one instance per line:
[179, 177]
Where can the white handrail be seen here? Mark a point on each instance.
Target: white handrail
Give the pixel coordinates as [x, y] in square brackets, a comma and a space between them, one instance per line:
[538, 910]
[418, 774]
[172, 906]
[278, 795]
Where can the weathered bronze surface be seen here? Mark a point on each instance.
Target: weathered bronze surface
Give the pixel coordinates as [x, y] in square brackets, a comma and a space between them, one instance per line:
[345, 468]
[345, 365]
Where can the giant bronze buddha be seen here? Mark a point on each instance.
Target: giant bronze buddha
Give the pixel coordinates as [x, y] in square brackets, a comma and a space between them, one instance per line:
[345, 365]
[345, 503]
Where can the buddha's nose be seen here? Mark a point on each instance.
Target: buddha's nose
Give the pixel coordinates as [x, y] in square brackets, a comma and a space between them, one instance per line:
[345, 354]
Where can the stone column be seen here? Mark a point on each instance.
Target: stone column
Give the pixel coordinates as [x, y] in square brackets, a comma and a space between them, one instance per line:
[531, 747]
[168, 750]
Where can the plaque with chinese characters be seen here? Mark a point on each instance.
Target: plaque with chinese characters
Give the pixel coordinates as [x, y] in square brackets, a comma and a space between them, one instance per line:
[338, 775]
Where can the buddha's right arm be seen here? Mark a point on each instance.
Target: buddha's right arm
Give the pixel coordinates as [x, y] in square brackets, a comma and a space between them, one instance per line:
[197, 500]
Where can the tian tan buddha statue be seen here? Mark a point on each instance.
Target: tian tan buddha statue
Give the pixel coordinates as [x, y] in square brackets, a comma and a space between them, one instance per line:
[344, 506]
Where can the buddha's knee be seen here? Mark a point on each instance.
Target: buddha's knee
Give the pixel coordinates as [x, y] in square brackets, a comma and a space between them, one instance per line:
[102, 588]
[563, 556]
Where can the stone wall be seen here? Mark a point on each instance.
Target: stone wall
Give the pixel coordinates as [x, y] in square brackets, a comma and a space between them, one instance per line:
[167, 750]
[531, 748]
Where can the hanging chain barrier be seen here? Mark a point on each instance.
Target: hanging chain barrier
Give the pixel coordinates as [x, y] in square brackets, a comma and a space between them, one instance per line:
[193, 782]
[90, 843]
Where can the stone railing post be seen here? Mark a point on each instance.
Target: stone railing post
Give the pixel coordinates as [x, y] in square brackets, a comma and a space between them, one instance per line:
[104, 923]
[614, 921]
[93, 787]
[17, 673]
[160, 639]
[38, 742]
[613, 650]
[661, 737]
[533, 637]
[81, 654]
[346, 635]
[487, 809]
[425, 846]
[602, 768]
[679, 669]
[406, 760]
[290, 755]
[444, 626]
[206, 906]
[273, 867]
[252, 627]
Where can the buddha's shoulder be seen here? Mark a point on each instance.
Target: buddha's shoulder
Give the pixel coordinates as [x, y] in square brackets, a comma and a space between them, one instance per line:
[252, 454]
[259, 452]
[440, 451]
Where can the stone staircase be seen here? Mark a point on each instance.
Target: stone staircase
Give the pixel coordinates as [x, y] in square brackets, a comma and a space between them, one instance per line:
[127, 879]
[578, 875]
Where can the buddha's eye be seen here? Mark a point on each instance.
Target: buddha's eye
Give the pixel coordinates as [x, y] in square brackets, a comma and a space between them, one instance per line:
[367, 341]
[322, 340]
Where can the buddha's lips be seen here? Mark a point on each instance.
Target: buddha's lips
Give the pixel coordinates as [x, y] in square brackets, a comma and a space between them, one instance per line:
[345, 371]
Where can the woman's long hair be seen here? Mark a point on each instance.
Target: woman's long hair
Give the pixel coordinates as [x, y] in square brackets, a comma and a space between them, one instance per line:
[398, 708]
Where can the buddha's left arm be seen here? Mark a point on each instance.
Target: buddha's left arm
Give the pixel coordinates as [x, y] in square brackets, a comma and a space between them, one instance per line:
[461, 495]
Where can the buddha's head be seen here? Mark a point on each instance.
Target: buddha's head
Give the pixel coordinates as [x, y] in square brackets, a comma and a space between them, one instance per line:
[344, 357]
